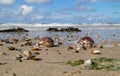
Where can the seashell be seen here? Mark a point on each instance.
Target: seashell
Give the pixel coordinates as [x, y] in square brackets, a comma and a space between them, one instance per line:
[95, 52]
[33, 57]
[28, 53]
[36, 58]
[2, 63]
[36, 53]
[35, 48]
[46, 41]
[18, 57]
[87, 63]
[1, 44]
[27, 43]
[3, 53]
[70, 48]
[78, 49]
[85, 42]
[11, 48]
[24, 58]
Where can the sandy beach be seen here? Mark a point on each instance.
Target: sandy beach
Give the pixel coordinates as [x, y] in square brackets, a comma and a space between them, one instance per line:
[53, 60]
[59, 37]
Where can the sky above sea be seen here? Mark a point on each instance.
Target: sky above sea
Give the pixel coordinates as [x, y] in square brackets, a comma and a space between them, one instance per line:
[59, 11]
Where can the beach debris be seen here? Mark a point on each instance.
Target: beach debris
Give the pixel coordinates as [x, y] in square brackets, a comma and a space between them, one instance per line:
[2, 63]
[18, 57]
[95, 52]
[1, 44]
[27, 53]
[30, 56]
[11, 41]
[35, 48]
[36, 58]
[69, 48]
[24, 58]
[46, 41]
[76, 63]
[36, 53]
[76, 51]
[60, 43]
[78, 48]
[3, 53]
[84, 43]
[87, 63]
[26, 43]
[12, 48]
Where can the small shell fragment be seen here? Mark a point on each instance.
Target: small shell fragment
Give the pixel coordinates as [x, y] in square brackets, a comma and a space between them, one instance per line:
[35, 48]
[95, 52]
[27, 53]
[3, 53]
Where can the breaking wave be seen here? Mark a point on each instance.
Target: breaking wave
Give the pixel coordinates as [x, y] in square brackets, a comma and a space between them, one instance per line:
[57, 25]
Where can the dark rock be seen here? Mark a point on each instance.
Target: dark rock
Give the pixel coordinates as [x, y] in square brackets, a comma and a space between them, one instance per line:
[69, 29]
[14, 30]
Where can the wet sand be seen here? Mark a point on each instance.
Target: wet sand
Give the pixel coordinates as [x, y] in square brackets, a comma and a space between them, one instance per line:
[53, 61]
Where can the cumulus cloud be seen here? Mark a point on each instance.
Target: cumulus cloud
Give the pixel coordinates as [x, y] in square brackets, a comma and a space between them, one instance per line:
[7, 1]
[26, 9]
[38, 1]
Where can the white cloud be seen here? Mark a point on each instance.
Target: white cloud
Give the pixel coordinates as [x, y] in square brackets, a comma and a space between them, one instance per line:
[38, 1]
[26, 9]
[84, 8]
[7, 1]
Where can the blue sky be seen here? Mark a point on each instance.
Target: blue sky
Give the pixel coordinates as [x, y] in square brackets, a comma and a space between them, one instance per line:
[59, 11]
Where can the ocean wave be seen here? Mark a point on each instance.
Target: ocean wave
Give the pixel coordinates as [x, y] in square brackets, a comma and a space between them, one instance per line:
[57, 25]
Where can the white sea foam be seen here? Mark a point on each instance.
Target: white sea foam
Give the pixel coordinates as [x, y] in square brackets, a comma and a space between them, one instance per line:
[45, 26]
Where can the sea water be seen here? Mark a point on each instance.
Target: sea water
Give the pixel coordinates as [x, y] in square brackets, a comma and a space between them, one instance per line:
[101, 31]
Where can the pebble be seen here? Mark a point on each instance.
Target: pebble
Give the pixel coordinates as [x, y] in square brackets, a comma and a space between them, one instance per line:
[87, 63]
